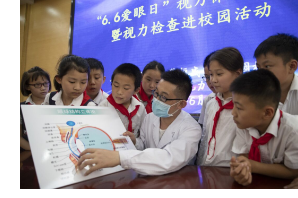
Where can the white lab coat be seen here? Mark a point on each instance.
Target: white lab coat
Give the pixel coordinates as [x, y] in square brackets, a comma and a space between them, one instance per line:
[174, 150]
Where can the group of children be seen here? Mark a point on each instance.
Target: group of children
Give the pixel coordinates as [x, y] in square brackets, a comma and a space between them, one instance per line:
[248, 123]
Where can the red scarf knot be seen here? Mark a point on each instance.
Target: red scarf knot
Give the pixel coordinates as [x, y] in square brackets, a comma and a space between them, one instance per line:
[124, 111]
[254, 152]
[145, 98]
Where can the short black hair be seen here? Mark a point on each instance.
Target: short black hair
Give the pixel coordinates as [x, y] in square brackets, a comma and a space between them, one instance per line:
[130, 70]
[154, 65]
[229, 57]
[95, 64]
[261, 86]
[206, 60]
[69, 62]
[283, 45]
[32, 74]
[181, 79]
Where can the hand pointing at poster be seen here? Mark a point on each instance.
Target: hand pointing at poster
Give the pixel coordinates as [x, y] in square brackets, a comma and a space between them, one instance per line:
[97, 159]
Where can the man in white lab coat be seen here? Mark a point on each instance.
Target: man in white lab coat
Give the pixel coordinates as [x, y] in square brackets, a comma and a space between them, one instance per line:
[168, 139]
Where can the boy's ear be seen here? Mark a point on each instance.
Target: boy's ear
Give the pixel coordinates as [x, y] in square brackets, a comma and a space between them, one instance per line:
[58, 79]
[103, 79]
[269, 112]
[239, 72]
[293, 66]
[137, 90]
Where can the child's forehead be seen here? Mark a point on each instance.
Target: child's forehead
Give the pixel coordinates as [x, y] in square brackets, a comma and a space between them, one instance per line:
[124, 79]
[96, 71]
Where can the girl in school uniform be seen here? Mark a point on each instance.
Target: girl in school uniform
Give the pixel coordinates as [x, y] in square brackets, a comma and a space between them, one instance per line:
[35, 84]
[151, 77]
[70, 82]
[219, 129]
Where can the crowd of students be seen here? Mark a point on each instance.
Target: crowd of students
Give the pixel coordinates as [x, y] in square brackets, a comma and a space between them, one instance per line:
[248, 122]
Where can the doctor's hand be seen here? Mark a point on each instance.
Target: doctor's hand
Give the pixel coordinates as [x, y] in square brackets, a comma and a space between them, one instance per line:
[293, 185]
[97, 159]
[131, 135]
[240, 171]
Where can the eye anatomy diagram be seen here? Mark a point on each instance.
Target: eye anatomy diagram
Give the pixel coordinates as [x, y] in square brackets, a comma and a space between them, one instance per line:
[78, 137]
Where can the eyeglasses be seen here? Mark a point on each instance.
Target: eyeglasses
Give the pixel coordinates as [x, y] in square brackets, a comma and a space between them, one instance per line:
[162, 98]
[38, 85]
[206, 78]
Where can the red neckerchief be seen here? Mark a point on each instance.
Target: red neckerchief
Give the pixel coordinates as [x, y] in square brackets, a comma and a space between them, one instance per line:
[28, 103]
[254, 152]
[85, 98]
[145, 98]
[229, 105]
[124, 111]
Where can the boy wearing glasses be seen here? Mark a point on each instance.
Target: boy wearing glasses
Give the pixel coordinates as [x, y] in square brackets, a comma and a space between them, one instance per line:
[206, 78]
[169, 136]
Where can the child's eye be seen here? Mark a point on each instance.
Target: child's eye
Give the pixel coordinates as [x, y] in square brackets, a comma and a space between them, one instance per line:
[219, 74]
[71, 82]
[148, 80]
[115, 85]
[126, 88]
[211, 74]
[83, 82]
[267, 66]
[96, 78]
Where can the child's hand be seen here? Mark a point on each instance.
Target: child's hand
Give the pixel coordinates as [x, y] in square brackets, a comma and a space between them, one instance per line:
[293, 185]
[98, 158]
[131, 135]
[240, 171]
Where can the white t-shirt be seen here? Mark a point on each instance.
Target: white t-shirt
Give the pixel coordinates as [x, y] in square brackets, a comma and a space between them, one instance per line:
[136, 119]
[101, 96]
[58, 100]
[291, 103]
[206, 100]
[281, 148]
[225, 133]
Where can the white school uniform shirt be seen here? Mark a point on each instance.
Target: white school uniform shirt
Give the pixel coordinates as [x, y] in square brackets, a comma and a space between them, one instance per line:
[291, 103]
[137, 119]
[205, 101]
[282, 148]
[177, 146]
[225, 133]
[29, 100]
[101, 96]
[58, 100]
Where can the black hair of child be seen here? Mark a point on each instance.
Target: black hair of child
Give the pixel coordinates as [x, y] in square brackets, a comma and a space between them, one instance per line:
[261, 86]
[95, 64]
[283, 45]
[154, 65]
[130, 70]
[69, 62]
[32, 74]
[229, 57]
[181, 79]
[206, 60]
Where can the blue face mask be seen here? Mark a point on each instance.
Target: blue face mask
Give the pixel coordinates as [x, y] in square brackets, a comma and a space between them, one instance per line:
[161, 109]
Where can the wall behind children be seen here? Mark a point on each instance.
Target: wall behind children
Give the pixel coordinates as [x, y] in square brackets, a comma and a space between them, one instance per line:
[177, 33]
[44, 34]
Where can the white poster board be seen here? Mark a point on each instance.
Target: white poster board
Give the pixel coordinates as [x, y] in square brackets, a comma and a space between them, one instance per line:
[58, 134]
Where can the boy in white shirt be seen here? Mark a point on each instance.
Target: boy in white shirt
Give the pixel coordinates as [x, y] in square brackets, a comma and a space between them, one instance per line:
[169, 136]
[267, 137]
[95, 81]
[126, 81]
[279, 54]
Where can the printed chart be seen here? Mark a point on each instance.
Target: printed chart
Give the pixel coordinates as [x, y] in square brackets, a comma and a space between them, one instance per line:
[58, 135]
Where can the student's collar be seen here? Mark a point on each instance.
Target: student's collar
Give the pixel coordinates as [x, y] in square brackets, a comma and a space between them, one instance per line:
[272, 128]
[219, 95]
[294, 85]
[98, 97]
[29, 100]
[75, 102]
[134, 102]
